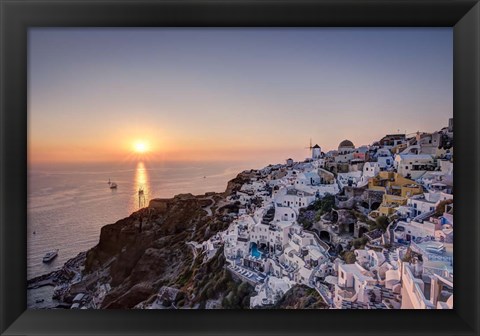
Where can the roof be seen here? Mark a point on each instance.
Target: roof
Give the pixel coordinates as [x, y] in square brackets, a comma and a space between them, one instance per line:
[316, 146]
[346, 143]
[331, 279]
[356, 271]
[415, 156]
[399, 135]
[314, 251]
[310, 174]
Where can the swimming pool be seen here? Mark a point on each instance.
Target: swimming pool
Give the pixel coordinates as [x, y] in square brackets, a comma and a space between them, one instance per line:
[255, 252]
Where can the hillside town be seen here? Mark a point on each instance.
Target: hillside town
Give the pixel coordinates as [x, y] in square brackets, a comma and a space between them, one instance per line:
[367, 227]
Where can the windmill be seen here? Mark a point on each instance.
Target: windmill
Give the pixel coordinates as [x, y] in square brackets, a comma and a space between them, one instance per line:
[310, 147]
[315, 151]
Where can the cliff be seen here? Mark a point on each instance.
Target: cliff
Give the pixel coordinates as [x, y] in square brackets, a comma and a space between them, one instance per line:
[147, 251]
[235, 184]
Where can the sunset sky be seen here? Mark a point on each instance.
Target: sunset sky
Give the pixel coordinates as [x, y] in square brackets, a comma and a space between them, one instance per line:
[231, 94]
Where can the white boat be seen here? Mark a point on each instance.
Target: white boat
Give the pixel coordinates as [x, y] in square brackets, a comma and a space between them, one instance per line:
[113, 185]
[49, 256]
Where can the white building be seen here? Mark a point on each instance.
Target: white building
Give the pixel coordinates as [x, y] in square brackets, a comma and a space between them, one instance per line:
[370, 169]
[426, 287]
[413, 166]
[354, 283]
[384, 158]
[349, 179]
[346, 150]
[291, 197]
[310, 178]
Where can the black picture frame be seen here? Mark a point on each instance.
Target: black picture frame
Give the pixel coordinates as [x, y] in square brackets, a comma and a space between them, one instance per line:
[18, 16]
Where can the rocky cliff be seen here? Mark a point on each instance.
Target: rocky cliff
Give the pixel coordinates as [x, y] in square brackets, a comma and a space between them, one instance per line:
[141, 254]
[235, 184]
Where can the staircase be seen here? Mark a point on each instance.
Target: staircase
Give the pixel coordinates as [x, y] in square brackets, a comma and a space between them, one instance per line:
[390, 256]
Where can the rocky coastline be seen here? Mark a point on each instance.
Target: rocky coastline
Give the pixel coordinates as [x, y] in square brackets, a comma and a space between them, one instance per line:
[156, 250]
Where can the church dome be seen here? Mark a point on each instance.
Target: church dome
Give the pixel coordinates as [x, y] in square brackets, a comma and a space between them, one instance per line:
[346, 144]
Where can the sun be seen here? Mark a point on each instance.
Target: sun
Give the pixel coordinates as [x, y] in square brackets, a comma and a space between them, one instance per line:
[141, 147]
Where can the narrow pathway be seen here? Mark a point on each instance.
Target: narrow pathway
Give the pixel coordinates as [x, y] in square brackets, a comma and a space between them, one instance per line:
[208, 208]
[194, 251]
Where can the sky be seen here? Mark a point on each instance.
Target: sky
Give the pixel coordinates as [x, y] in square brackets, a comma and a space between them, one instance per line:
[207, 94]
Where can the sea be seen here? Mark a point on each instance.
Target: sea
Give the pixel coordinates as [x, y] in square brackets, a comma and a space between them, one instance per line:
[69, 203]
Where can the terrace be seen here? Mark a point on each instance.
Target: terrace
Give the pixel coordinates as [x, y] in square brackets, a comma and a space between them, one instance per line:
[434, 251]
[247, 274]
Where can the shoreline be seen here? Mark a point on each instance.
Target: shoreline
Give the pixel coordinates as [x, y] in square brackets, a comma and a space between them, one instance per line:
[71, 272]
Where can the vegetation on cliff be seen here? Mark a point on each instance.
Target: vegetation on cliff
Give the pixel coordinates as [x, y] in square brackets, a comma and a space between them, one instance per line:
[211, 281]
[300, 297]
[307, 216]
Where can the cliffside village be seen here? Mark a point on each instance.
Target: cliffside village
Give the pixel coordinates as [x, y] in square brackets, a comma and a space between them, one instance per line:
[367, 227]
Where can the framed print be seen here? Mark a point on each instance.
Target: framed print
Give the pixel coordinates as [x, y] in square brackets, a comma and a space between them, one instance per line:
[239, 168]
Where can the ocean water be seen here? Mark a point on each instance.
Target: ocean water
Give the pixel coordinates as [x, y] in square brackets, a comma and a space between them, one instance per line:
[68, 204]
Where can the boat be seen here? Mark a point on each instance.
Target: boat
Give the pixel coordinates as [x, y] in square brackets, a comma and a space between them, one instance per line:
[49, 256]
[113, 185]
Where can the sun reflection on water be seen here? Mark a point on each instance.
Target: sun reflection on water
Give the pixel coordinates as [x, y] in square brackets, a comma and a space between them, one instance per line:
[141, 185]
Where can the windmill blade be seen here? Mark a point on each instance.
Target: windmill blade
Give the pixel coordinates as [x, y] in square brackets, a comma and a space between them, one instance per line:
[309, 147]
